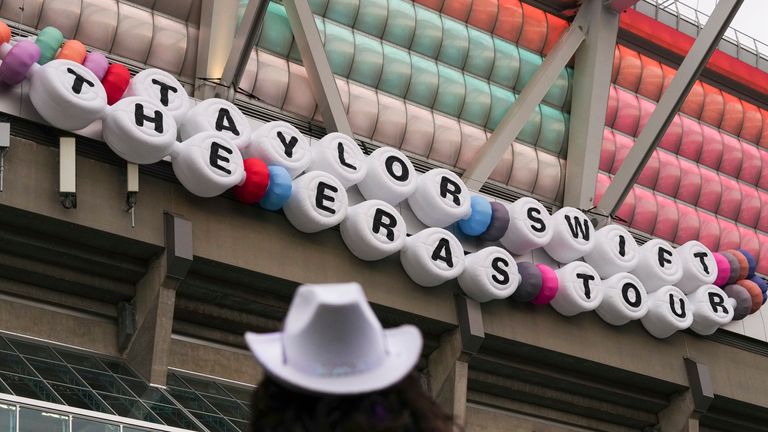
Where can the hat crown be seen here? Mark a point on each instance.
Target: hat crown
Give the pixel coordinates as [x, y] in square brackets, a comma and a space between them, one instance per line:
[332, 331]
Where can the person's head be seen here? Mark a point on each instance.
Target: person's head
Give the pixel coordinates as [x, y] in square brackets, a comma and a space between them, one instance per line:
[334, 368]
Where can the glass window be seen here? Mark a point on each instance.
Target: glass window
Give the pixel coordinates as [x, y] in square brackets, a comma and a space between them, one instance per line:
[7, 417]
[128, 407]
[240, 393]
[146, 392]
[103, 382]
[80, 398]
[55, 372]
[203, 386]
[228, 407]
[5, 346]
[241, 425]
[119, 368]
[173, 416]
[32, 420]
[34, 350]
[82, 360]
[175, 381]
[13, 363]
[85, 425]
[214, 423]
[132, 429]
[29, 387]
[190, 400]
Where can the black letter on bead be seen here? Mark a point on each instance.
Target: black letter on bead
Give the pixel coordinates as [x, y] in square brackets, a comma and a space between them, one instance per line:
[701, 256]
[321, 197]
[215, 157]
[140, 118]
[225, 122]
[500, 265]
[164, 89]
[442, 252]
[625, 289]
[343, 161]
[578, 226]
[450, 187]
[586, 279]
[388, 225]
[680, 314]
[287, 145]
[77, 86]
[663, 257]
[717, 301]
[538, 223]
[389, 164]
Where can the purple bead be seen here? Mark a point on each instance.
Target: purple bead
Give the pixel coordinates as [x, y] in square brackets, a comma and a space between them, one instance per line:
[97, 63]
[17, 62]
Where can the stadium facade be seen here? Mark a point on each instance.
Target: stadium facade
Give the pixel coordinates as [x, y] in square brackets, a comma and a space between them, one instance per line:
[124, 296]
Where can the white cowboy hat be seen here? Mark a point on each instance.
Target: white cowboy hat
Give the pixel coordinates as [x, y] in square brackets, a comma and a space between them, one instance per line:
[332, 343]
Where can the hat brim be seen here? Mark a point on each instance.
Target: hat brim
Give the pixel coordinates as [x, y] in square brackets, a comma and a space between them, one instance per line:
[403, 350]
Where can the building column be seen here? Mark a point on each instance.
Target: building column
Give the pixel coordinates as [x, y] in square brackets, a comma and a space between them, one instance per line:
[146, 323]
[686, 408]
[449, 363]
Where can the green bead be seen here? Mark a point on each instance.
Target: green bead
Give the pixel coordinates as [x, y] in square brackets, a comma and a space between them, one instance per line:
[49, 40]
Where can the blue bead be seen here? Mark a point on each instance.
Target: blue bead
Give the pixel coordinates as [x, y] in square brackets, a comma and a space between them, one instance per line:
[279, 189]
[752, 262]
[479, 219]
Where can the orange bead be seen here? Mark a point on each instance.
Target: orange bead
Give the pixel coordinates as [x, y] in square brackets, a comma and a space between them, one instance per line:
[72, 50]
[5, 33]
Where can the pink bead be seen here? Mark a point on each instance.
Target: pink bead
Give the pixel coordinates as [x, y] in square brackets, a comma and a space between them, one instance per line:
[97, 63]
[549, 284]
[723, 270]
[17, 62]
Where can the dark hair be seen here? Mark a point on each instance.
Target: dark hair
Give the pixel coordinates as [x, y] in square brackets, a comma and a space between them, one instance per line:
[403, 407]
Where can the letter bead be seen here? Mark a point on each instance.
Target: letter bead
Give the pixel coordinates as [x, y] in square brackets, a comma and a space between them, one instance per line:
[279, 143]
[432, 256]
[318, 201]
[67, 94]
[373, 230]
[208, 164]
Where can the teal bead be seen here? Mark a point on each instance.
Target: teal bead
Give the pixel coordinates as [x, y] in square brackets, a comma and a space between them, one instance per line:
[49, 40]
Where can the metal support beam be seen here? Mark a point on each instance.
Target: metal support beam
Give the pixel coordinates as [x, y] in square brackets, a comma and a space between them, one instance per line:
[520, 111]
[591, 85]
[321, 80]
[146, 323]
[245, 39]
[215, 40]
[668, 105]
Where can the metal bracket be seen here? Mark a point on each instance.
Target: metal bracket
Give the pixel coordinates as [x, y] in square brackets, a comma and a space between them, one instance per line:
[67, 172]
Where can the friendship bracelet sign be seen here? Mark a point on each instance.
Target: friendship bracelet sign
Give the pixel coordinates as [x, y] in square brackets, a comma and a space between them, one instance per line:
[604, 270]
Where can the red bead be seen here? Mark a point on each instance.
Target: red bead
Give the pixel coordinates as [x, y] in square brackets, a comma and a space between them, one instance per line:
[256, 181]
[115, 82]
